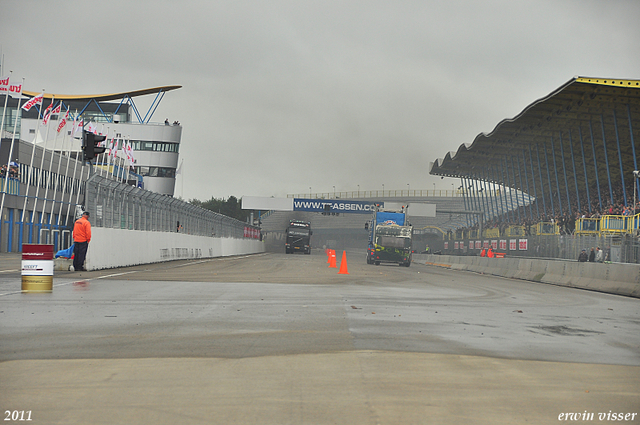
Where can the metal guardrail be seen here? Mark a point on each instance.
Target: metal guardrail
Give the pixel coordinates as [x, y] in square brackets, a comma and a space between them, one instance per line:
[10, 186]
[587, 226]
[547, 228]
[120, 206]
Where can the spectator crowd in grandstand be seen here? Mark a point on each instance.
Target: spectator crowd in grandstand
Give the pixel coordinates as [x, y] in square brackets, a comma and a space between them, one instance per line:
[529, 215]
[12, 170]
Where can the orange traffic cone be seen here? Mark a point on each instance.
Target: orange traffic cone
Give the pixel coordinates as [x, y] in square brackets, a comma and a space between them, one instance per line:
[343, 264]
[332, 260]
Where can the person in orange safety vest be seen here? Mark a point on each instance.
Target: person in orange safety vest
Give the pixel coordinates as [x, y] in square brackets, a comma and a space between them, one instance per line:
[81, 239]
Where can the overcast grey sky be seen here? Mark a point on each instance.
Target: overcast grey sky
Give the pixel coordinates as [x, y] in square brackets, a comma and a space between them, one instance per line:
[282, 95]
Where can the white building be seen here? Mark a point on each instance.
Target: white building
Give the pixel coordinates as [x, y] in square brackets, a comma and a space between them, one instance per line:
[156, 145]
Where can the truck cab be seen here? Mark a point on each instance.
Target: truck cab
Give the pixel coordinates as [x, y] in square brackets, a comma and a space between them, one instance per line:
[390, 238]
[298, 237]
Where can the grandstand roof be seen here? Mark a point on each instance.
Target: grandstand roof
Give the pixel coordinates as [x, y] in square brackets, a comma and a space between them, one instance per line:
[583, 115]
[104, 97]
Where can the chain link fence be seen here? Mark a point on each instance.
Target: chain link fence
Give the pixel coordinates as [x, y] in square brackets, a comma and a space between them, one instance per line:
[119, 206]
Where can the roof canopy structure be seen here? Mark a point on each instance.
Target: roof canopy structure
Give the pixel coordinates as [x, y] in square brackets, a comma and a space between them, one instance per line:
[123, 97]
[573, 149]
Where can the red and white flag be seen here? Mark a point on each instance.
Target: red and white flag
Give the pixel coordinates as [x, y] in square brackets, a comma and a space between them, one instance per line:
[47, 113]
[64, 121]
[113, 148]
[9, 87]
[77, 126]
[128, 151]
[91, 127]
[37, 100]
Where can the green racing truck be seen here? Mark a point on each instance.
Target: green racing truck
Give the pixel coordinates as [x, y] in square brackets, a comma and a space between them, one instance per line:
[390, 238]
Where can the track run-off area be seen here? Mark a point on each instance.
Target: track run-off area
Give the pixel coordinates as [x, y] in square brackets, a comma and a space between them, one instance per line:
[284, 339]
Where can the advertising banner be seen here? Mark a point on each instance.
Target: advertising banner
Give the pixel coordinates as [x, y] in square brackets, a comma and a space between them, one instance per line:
[335, 206]
[522, 244]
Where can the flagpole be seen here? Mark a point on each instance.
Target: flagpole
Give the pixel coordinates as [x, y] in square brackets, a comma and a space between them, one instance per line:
[49, 174]
[80, 180]
[40, 174]
[61, 125]
[6, 99]
[66, 172]
[13, 138]
[75, 168]
[30, 172]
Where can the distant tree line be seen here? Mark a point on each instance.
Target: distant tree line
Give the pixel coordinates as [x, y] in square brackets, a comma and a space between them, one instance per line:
[230, 207]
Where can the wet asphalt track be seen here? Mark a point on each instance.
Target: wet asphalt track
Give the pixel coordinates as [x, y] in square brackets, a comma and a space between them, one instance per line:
[274, 306]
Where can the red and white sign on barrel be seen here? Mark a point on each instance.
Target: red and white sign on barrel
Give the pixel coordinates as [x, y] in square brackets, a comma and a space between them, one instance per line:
[37, 268]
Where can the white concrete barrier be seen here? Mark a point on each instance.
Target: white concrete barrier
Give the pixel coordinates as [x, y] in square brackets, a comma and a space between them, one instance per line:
[111, 248]
[613, 278]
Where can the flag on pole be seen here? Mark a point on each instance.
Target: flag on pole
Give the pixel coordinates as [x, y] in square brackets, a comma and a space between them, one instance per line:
[113, 147]
[47, 113]
[78, 125]
[132, 159]
[37, 100]
[4, 84]
[10, 88]
[91, 127]
[64, 121]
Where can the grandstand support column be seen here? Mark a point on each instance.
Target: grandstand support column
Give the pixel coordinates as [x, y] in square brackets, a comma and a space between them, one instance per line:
[469, 187]
[515, 183]
[483, 188]
[564, 171]
[544, 202]
[474, 193]
[524, 208]
[575, 175]
[467, 200]
[595, 164]
[624, 189]
[633, 151]
[483, 184]
[505, 185]
[555, 169]
[492, 198]
[495, 174]
[506, 163]
[533, 180]
[584, 165]
[473, 198]
[476, 184]
[464, 198]
[606, 158]
[546, 160]
[526, 178]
